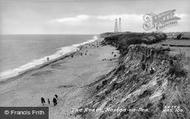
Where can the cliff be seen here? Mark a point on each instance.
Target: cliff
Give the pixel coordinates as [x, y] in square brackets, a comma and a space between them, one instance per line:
[123, 41]
[148, 82]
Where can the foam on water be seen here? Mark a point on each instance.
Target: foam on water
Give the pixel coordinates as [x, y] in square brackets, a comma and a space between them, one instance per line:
[43, 61]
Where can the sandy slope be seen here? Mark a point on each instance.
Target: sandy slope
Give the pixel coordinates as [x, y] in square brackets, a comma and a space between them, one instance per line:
[149, 82]
[65, 78]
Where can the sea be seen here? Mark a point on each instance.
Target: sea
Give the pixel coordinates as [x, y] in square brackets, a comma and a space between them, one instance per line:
[19, 53]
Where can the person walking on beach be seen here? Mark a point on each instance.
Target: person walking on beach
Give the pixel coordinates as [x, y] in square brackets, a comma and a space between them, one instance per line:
[48, 101]
[47, 58]
[43, 101]
[54, 101]
[56, 96]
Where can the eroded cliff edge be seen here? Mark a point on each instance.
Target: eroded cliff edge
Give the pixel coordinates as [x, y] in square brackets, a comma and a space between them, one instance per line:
[148, 82]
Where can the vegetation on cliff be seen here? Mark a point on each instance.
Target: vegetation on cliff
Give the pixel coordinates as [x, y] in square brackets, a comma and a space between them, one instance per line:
[148, 83]
[122, 41]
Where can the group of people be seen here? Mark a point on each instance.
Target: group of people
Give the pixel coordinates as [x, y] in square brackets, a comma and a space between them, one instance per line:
[55, 98]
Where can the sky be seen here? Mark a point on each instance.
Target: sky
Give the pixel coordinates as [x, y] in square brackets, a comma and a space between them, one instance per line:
[85, 16]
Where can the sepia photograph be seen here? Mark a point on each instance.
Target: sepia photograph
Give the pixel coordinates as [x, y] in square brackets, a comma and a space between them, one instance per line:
[94, 59]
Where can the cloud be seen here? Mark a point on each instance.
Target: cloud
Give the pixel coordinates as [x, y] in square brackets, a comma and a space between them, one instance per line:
[71, 20]
[81, 18]
[123, 16]
[97, 22]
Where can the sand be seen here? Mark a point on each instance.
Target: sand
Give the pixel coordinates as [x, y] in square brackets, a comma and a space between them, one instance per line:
[66, 78]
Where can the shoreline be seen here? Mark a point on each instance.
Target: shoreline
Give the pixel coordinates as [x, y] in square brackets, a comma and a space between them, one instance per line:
[68, 73]
[67, 77]
[42, 62]
[103, 75]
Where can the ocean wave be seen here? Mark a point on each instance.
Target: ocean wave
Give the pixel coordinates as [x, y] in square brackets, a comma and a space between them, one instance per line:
[63, 51]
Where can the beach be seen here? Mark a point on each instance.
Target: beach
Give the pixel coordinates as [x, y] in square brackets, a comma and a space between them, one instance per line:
[65, 77]
[118, 76]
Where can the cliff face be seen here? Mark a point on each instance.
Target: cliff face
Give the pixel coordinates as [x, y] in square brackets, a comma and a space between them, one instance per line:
[148, 83]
